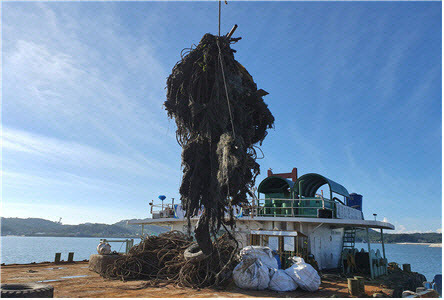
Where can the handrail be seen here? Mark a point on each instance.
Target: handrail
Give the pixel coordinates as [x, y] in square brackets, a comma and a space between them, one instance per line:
[128, 243]
[277, 207]
[298, 207]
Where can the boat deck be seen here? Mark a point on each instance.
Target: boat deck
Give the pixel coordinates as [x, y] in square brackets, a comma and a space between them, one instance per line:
[75, 280]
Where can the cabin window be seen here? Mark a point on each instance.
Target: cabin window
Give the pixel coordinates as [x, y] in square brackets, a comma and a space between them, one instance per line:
[284, 246]
[255, 240]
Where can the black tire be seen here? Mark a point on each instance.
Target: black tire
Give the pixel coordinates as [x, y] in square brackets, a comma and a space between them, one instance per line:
[193, 253]
[26, 290]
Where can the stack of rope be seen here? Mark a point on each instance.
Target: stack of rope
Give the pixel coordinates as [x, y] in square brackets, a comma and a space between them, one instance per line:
[160, 260]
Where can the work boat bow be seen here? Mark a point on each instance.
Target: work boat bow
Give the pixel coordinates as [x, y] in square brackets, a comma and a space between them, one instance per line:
[293, 217]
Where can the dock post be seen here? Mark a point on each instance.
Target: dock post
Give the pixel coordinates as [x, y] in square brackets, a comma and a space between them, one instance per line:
[369, 254]
[71, 257]
[406, 268]
[360, 280]
[383, 252]
[129, 245]
[57, 257]
[354, 288]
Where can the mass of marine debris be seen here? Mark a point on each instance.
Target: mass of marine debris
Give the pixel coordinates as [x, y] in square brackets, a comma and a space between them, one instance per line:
[220, 117]
[161, 260]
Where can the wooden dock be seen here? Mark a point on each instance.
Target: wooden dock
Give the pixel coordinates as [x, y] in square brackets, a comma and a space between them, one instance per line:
[75, 280]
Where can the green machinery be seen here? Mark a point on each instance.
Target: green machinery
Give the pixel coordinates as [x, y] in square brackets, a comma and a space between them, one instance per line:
[297, 197]
[278, 196]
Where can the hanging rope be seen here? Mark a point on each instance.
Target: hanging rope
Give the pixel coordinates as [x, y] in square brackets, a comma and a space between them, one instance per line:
[226, 90]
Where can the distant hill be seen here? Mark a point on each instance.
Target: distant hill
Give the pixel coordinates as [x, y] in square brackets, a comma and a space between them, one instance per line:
[375, 237]
[42, 227]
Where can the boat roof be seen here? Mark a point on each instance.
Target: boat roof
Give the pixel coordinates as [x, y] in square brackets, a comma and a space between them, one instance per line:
[311, 182]
[274, 184]
[327, 221]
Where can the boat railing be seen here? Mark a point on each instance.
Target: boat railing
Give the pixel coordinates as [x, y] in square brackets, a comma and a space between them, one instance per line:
[273, 207]
[129, 243]
[163, 210]
[278, 207]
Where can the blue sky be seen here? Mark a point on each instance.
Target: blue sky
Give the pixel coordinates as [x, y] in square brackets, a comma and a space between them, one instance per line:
[355, 88]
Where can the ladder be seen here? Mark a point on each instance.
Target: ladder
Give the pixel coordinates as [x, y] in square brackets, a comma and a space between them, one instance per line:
[348, 243]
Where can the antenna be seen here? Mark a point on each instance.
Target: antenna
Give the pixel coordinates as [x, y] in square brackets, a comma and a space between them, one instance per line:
[162, 197]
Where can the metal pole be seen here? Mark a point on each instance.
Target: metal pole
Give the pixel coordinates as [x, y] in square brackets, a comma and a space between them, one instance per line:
[369, 256]
[231, 31]
[382, 242]
[383, 249]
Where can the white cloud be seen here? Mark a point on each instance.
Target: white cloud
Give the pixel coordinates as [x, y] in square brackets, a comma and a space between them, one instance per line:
[41, 64]
[66, 152]
[82, 113]
[73, 90]
[52, 85]
[64, 179]
[61, 81]
[400, 229]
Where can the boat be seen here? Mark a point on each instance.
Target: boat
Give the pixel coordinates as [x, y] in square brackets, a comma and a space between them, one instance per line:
[293, 217]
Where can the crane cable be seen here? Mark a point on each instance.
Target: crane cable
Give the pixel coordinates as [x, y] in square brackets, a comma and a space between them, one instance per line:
[226, 89]
[220, 3]
[219, 14]
[223, 74]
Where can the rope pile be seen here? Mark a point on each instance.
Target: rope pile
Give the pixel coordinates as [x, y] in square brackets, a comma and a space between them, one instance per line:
[220, 117]
[160, 260]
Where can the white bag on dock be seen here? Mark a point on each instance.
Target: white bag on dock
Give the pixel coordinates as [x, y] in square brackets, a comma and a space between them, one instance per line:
[304, 275]
[264, 254]
[251, 274]
[282, 282]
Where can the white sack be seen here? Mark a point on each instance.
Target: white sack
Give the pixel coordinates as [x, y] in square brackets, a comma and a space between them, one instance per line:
[264, 254]
[304, 275]
[282, 282]
[251, 274]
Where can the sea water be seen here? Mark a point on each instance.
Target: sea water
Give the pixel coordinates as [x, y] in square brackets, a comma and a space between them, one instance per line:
[422, 258]
[27, 249]
[20, 250]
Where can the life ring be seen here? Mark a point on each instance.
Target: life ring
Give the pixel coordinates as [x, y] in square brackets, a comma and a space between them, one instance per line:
[193, 253]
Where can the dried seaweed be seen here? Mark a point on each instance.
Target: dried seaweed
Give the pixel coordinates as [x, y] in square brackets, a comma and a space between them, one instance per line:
[160, 260]
[218, 134]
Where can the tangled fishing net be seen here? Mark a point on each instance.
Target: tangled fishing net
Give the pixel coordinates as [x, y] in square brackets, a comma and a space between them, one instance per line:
[160, 260]
[220, 117]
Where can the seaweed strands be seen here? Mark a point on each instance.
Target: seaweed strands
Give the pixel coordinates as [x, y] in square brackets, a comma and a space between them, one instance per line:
[161, 261]
[220, 117]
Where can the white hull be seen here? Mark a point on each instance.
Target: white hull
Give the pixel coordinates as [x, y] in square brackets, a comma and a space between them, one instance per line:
[325, 236]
